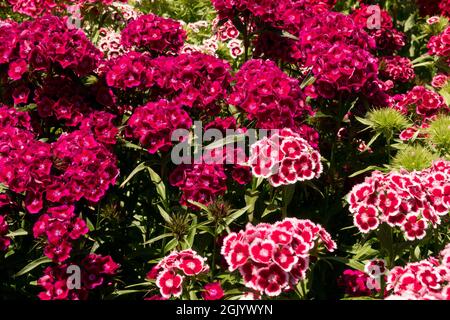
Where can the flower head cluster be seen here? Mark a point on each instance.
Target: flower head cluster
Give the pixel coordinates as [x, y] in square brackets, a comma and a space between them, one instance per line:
[36, 8]
[397, 68]
[284, 158]
[423, 102]
[439, 45]
[201, 183]
[154, 34]
[387, 38]
[94, 270]
[131, 70]
[37, 45]
[109, 43]
[339, 53]
[62, 98]
[354, 283]
[171, 271]
[86, 168]
[101, 124]
[194, 80]
[273, 258]
[11, 117]
[154, 123]
[412, 201]
[268, 95]
[344, 68]
[25, 165]
[4, 228]
[425, 280]
[60, 226]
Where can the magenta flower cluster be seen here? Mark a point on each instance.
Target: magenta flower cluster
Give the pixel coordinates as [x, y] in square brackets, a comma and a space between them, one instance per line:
[154, 123]
[153, 34]
[94, 269]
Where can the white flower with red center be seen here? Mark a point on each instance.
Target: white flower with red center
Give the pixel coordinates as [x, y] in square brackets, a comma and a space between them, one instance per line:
[170, 284]
[284, 158]
[414, 228]
[360, 193]
[236, 48]
[262, 251]
[366, 218]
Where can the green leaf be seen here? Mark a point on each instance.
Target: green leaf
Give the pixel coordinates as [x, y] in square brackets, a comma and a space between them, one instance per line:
[369, 168]
[349, 262]
[32, 265]
[170, 245]
[409, 24]
[138, 169]
[364, 121]
[237, 214]
[374, 138]
[17, 233]
[270, 209]
[193, 231]
[225, 141]
[125, 292]
[160, 237]
[200, 205]
[164, 214]
[160, 187]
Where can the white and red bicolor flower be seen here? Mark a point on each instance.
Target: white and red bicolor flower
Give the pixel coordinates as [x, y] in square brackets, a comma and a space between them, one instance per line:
[191, 265]
[284, 159]
[170, 284]
[285, 258]
[304, 167]
[429, 278]
[272, 280]
[262, 251]
[281, 237]
[414, 228]
[389, 203]
[273, 258]
[249, 273]
[366, 218]
[409, 283]
[238, 255]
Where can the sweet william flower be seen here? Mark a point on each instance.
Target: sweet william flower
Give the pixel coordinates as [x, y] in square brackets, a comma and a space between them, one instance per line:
[212, 291]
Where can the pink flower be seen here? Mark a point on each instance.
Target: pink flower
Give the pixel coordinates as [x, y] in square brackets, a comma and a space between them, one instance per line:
[17, 69]
[212, 291]
[170, 284]
[439, 81]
